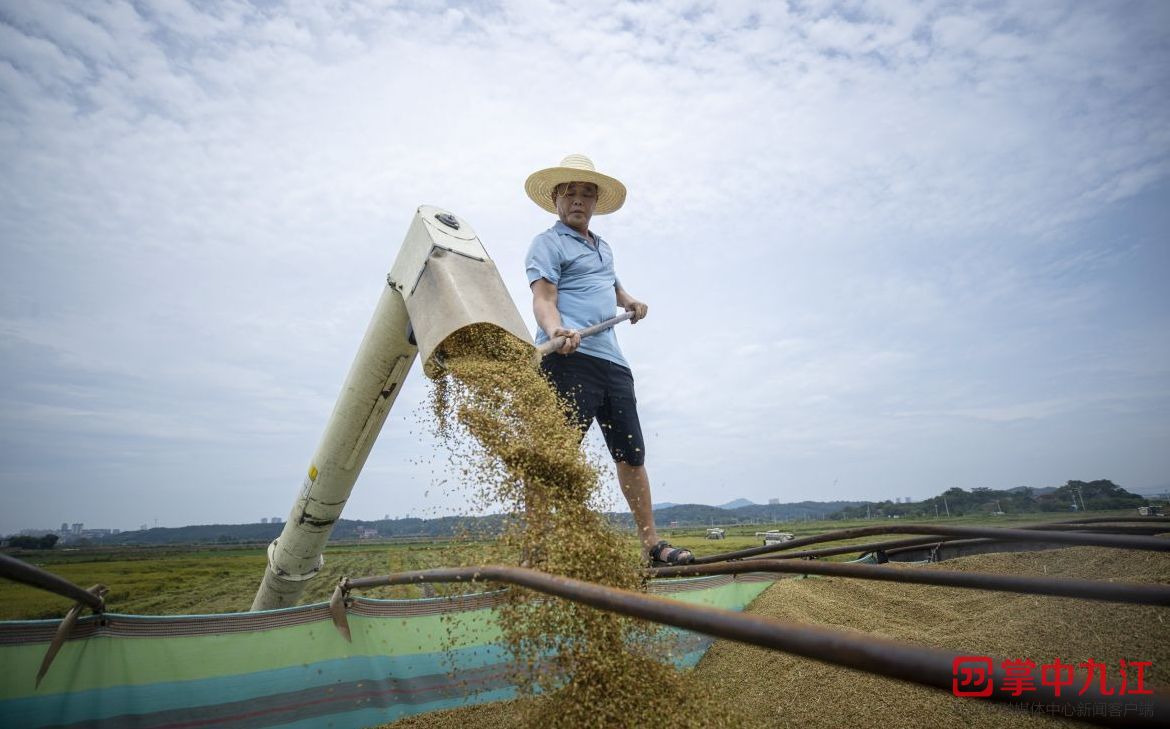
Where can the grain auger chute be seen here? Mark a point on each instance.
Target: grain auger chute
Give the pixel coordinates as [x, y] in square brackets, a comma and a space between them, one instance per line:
[441, 282]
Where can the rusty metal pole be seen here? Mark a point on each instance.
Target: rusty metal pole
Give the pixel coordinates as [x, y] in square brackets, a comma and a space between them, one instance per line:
[1136, 594]
[28, 574]
[1154, 544]
[894, 546]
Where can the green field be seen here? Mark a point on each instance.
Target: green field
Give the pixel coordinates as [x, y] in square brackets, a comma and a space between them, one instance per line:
[199, 579]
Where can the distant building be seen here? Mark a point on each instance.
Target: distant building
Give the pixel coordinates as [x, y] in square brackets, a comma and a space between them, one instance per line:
[366, 533]
[76, 528]
[773, 502]
[263, 520]
[64, 528]
[35, 532]
[275, 520]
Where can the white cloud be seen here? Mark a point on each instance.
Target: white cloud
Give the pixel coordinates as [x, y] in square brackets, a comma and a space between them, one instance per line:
[850, 220]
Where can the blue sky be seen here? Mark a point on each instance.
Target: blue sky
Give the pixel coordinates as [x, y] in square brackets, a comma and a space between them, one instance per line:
[889, 248]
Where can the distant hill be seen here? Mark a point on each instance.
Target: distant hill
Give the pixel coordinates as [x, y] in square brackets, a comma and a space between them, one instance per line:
[736, 504]
[1092, 495]
[665, 514]
[704, 515]
[344, 530]
[1102, 494]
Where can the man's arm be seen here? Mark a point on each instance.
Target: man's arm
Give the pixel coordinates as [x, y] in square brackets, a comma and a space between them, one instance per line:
[629, 303]
[548, 318]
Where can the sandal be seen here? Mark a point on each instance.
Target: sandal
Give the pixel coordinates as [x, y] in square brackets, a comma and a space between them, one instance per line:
[666, 555]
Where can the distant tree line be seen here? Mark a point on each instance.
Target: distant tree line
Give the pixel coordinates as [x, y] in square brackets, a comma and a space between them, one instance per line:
[344, 530]
[703, 515]
[475, 526]
[1097, 495]
[46, 542]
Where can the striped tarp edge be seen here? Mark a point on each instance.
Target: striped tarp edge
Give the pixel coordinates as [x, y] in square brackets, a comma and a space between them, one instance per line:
[130, 626]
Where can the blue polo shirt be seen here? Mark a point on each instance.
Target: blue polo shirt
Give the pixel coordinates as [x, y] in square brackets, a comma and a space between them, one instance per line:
[586, 285]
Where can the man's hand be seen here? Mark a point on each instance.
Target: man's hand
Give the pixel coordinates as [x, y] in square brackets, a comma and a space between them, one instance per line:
[638, 308]
[630, 304]
[572, 340]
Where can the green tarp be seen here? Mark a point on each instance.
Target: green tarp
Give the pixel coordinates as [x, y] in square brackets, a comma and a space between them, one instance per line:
[287, 668]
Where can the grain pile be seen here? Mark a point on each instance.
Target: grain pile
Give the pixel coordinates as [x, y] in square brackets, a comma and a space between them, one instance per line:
[776, 690]
[510, 437]
[784, 691]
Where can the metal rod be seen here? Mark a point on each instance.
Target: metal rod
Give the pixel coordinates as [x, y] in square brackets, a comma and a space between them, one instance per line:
[63, 631]
[1108, 528]
[556, 343]
[1154, 544]
[1099, 519]
[25, 573]
[894, 546]
[1136, 594]
[885, 546]
[914, 664]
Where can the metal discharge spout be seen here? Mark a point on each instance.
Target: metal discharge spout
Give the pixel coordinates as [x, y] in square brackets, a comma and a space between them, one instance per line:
[442, 281]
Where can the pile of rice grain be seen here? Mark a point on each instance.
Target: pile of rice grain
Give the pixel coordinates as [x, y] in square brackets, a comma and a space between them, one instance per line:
[509, 433]
[796, 692]
[774, 689]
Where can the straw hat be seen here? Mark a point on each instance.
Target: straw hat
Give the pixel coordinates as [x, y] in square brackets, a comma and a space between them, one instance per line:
[575, 168]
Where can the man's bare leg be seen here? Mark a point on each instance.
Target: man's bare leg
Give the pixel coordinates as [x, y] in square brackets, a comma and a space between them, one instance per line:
[636, 488]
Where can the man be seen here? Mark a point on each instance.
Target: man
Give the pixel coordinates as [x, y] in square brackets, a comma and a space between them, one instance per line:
[571, 274]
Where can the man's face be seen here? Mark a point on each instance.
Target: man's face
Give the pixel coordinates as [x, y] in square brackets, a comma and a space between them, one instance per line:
[575, 203]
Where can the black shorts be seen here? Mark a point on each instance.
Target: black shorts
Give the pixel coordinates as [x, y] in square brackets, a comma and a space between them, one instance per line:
[598, 388]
